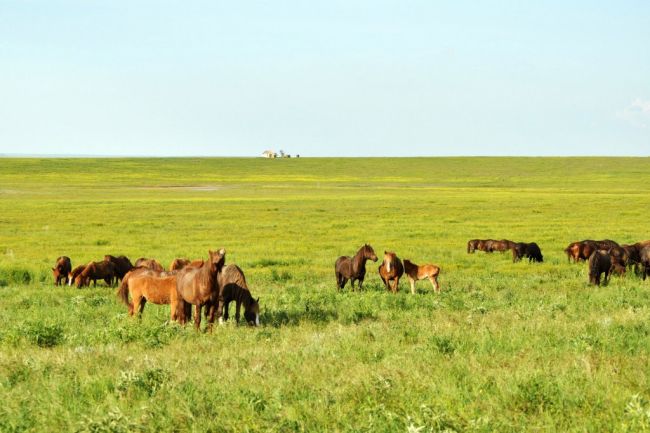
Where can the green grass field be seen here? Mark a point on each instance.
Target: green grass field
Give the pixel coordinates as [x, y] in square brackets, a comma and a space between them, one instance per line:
[505, 347]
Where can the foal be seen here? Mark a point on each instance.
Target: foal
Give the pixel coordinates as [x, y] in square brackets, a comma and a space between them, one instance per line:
[415, 273]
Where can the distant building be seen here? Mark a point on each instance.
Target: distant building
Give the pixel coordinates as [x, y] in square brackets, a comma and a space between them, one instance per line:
[269, 154]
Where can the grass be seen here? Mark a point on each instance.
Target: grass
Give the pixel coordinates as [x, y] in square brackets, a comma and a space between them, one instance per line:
[505, 347]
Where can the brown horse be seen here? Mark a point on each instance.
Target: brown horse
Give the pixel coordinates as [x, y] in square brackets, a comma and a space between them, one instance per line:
[644, 254]
[415, 273]
[529, 250]
[122, 265]
[61, 269]
[391, 270]
[178, 264]
[146, 285]
[353, 268]
[599, 262]
[233, 287]
[573, 252]
[96, 271]
[200, 285]
[72, 275]
[618, 257]
[152, 264]
[472, 245]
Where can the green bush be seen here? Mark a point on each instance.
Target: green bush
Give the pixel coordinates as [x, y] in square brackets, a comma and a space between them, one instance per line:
[44, 334]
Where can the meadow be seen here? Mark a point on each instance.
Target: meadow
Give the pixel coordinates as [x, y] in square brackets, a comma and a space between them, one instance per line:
[506, 347]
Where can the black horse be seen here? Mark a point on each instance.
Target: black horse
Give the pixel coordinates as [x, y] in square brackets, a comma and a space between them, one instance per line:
[529, 250]
[353, 268]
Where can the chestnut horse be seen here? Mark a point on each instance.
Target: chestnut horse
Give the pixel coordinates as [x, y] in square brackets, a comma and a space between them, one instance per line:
[146, 285]
[72, 275]
[391, 269]
[353, 268]
[233, 287]
[415, 273]
[152, 264]
[178, 264]
[96, 271]
[200, 285]
[61, 269]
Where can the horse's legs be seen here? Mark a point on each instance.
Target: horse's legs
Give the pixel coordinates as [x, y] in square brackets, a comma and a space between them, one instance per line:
[360, 283]
[352, 283]
[412, 281]
[237, 312]
[213, 309]
[396, 285]
[225, 311]
[197, 316]
[434, 283]
[343, 281]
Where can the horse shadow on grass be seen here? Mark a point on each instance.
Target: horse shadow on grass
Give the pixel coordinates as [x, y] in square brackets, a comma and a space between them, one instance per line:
[314, 315]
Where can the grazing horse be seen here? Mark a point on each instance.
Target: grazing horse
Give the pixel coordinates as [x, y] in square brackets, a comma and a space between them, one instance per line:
[122, 265]
[96, 271]
[146, 285]
[644, 254]
[618, 257]
[391, 270]
[573, 252]
[633, 257]
[72, 275]
[152, 264]
[61, 269]
[415, 273]
[178, 264]
[353, 268]
[472, 245]
[233, 287]
[529, 250]
[599, 262]
[200, 285]
[502, 245]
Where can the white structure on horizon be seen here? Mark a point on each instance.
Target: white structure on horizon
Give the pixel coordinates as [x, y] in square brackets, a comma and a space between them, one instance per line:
[269, 154]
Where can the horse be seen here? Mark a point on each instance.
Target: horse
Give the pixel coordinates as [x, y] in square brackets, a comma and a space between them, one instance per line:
[644, 254]
[353, 268]
[199, 285]
[152, 264]
[472, 245]
[502, 245]
[233, 287]
[72, 275]
[618, 257]
[96, 271]
[573, 251]
[415, 273]
[391, 269]
[122, 265]
[178, 264]
[61, 269]
[529, 250]
[606, 244]
[599, 262]
[146, 285]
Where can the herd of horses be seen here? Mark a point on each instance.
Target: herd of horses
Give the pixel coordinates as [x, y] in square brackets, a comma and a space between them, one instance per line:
[208, 284]
[604, 257]
[212, 285]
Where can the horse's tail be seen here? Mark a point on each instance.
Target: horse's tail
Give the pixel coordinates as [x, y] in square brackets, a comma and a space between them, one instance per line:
[123, 292]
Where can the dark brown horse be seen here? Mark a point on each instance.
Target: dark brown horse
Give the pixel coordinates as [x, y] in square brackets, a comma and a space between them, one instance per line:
[122, 265]
[472, 245]
[599, 262]
[644, 254]
[233, 287]
[200, 285]
[618, 257]
[632, 252]
[96, 271]
[391, 270]
[353, 268]
[152, 264]
[61, 269]
[528, 250]
[606, 244]
[178, 264]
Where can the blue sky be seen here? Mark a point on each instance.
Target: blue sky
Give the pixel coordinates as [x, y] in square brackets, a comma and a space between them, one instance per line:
[351, 78]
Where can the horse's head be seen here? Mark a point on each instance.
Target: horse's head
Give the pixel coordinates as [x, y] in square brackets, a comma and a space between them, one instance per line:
[217, 259]
[389, 259]
[369, 253]
[252, 312]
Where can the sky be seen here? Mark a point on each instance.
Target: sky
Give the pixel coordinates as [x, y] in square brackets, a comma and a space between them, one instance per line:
[324, 78]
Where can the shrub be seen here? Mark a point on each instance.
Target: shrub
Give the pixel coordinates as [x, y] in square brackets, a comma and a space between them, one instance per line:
[44, 334]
